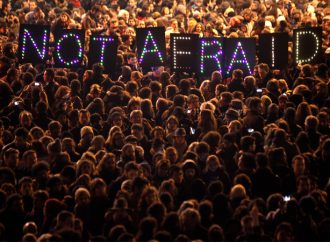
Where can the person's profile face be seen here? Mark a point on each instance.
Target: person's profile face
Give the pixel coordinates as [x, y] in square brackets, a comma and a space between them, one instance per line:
[45, 76]
[299, 166]
[86, 75]
[32, 159]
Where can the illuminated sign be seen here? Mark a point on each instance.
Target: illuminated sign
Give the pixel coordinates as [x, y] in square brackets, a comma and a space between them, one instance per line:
[307, 45]
[188, 53]
[240, 53]
[151, 47]
[184, 48]
[103, 50]
[69, 48]
[211, 55]
[33, 43]
[273, 50]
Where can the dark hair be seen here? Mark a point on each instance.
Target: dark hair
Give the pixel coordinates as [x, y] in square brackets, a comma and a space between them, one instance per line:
[246, 142]
[22, 132]
[50, 72]
[27, 78]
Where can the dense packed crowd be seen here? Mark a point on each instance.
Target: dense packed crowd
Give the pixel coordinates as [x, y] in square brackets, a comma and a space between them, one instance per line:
[163, 156]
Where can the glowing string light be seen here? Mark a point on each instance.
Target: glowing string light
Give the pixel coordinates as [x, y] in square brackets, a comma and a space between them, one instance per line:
[215, 56]
[104, 41]
[154, 50]
[242, 61]
[80, 51]
[41, 53]
[176, 52]
[273, 51]
[307, 60]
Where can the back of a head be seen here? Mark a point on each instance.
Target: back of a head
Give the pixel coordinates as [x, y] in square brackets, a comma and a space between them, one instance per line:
[238, 74]
[216, 233]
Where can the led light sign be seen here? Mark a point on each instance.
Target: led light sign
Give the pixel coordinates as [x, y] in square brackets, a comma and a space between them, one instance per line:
[69, 48]
[273, 50]
[184, 49]
[307, 45]
[211, 55]
[240, 54]
[103, 50]
[33, 43]
[151, 47]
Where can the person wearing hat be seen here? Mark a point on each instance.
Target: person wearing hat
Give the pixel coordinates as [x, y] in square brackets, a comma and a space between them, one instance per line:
[179, 142]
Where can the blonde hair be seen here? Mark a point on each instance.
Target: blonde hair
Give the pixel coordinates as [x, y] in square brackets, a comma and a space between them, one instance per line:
[80, 192]
[85, 130]
[237, 191]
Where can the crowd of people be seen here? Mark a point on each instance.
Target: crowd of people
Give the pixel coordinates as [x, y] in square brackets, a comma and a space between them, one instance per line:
[163, 156]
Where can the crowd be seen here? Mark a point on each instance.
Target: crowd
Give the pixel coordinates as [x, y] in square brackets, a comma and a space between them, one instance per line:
[163, 156]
